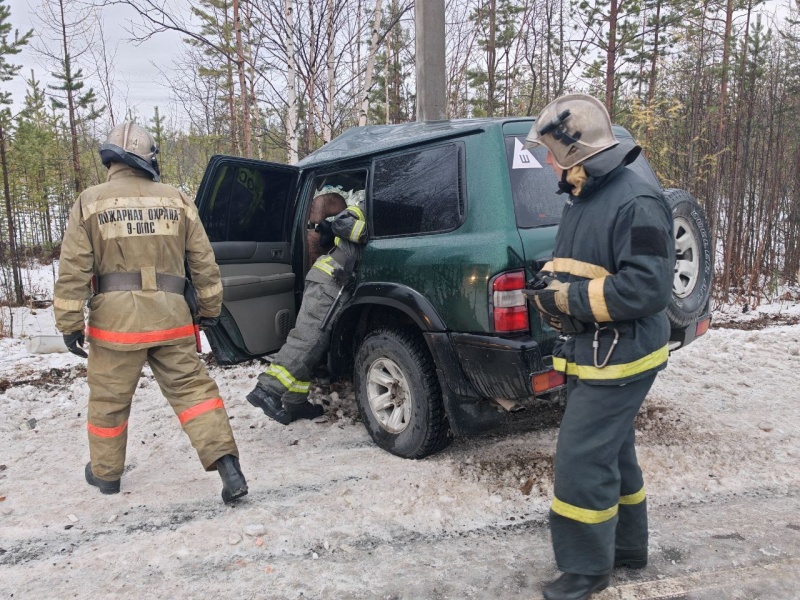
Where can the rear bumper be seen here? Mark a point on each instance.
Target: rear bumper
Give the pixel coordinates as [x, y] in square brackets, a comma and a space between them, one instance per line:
[499, 367]
[679, 338]
[473, 369]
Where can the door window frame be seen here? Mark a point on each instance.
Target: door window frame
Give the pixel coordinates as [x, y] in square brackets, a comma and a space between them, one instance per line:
[218, 161]
[461, 186]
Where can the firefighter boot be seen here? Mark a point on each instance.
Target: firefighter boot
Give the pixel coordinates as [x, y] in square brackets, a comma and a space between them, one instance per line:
[305, 410]
[233, 484]
[571, 586]
[106, 487]
[272, 406]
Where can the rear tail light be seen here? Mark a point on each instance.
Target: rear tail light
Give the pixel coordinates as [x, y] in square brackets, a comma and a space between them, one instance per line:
[702, 327]
[547, 381]
[509, 305]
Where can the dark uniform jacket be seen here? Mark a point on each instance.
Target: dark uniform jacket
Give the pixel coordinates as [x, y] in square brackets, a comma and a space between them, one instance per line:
[614, 246]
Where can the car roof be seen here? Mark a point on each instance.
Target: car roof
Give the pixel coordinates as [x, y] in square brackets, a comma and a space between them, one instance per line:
[374, 139]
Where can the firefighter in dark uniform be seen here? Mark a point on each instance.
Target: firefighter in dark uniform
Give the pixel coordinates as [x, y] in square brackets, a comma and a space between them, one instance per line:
[128, 240]
[606, 290]
[282, 390]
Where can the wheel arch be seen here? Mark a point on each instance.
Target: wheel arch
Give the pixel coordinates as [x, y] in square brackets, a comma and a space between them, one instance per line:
[374, 305]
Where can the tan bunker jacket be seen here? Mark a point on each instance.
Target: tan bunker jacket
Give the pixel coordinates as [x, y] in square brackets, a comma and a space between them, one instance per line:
[133, 225]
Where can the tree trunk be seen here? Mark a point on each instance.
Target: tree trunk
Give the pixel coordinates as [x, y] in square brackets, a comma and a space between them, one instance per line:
[291, 76]
[327, 127]
[12, 238]
[234, 129]
[237, 26]
[491, 56]
[611, 56]
[651, 88]
[373, 50]
[73, 127]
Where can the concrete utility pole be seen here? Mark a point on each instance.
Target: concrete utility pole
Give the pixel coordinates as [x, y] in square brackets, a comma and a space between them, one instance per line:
[429, 21]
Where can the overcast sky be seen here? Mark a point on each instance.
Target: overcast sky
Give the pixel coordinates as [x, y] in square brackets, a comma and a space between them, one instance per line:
[139, 81]
[137, 73]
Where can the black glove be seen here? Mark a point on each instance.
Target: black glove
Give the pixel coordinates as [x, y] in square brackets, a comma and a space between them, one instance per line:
[325, 231]
[74, 342]
[208, 322]
[554, 322]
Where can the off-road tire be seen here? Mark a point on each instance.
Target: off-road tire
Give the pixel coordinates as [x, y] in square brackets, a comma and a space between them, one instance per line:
[427, 430]
[690, 291]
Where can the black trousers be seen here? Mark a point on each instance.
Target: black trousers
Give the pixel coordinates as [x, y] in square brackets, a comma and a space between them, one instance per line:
[599, 503]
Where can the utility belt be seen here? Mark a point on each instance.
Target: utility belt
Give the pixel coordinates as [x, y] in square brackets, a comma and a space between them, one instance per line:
[133, 282]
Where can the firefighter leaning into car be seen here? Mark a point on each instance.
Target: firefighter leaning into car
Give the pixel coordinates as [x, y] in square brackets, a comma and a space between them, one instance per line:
[282, 390]
[127, 241]
[606, 290]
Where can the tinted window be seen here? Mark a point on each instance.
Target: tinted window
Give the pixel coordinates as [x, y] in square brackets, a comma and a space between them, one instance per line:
[417, 192]
[533, 185]
[247, 204]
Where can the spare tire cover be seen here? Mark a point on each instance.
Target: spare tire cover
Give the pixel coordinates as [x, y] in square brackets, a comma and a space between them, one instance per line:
[691, 286]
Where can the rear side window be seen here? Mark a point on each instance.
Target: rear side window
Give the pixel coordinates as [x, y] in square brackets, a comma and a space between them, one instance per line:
[533, 185]
[247, 204]
[418, 192]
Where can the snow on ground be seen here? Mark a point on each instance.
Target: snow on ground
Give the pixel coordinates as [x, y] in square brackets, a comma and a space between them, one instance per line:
[329, 515]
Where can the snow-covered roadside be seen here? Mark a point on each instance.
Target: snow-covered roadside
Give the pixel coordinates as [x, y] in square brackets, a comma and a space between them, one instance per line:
[329, 515]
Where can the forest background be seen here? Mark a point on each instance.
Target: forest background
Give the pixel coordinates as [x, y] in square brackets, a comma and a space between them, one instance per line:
[709, 88]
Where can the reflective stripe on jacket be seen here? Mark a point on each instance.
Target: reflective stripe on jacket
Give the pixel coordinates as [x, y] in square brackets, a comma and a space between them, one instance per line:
[133, 224]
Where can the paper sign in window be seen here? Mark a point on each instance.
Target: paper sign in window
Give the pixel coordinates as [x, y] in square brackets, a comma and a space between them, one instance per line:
[523, 159]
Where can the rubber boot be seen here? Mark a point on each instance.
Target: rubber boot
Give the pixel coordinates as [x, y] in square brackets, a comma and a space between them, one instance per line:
[233, 484]
[272, 406]
[106, 487]
[632, 559]
[306, 410]
[571, 586]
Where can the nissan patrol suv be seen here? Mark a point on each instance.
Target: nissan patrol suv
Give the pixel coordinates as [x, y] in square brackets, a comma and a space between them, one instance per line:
[436, 334]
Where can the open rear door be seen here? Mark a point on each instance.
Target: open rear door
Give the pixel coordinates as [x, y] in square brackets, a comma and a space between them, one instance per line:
[246, 209]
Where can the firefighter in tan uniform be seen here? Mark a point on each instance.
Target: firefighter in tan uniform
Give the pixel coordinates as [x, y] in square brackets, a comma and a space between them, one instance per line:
[128, 240]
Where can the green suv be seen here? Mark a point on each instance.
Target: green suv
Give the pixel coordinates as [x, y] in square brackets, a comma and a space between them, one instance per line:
[437, 336]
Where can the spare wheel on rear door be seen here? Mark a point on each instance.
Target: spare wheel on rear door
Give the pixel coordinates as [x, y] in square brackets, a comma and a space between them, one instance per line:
[691, 285]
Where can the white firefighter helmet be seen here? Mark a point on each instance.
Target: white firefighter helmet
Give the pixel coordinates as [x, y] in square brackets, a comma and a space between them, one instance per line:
[132, 145]
[573, 127]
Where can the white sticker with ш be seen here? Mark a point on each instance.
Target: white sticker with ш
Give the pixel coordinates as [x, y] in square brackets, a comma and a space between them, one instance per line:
[523, 159]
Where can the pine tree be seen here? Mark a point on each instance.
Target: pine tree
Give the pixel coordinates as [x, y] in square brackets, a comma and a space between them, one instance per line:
[8, 70]
[69, 94]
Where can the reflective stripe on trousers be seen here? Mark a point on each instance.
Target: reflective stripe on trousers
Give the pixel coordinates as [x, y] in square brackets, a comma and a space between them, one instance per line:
[599, 489]
[113, 376]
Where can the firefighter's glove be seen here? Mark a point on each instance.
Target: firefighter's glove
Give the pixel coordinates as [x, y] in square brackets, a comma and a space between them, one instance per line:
[325, 231]
[74, 342]
[208, 322]
[554, 322]
[552, 301]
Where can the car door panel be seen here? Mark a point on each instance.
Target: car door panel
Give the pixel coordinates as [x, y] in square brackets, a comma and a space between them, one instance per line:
[246, 208]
